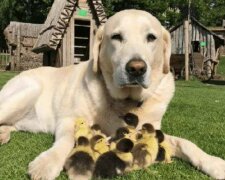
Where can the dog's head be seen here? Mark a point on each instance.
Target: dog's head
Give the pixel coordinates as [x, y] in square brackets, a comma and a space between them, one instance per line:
[133, 51]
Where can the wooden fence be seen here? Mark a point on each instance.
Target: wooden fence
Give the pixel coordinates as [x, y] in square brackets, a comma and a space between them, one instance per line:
[4, 59]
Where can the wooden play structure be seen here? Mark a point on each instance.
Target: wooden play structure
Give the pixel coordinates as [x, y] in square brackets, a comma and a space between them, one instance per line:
[20, 38]
[68, 32]
[204, 48]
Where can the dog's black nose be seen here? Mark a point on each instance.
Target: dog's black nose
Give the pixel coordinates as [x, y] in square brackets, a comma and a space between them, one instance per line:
[136, 67]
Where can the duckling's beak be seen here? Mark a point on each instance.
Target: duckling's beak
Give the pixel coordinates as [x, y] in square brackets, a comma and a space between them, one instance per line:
[108, 138]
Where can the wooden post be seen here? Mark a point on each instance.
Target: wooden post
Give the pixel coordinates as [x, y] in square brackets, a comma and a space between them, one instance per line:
[6, 58]
[72, 41]
[11, 60]
[186, 41]
[18, 48]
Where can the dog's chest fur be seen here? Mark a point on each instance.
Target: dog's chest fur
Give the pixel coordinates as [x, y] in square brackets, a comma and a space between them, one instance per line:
[109, 117]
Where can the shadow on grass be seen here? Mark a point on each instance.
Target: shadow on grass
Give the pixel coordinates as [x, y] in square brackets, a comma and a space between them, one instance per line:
[215, 82]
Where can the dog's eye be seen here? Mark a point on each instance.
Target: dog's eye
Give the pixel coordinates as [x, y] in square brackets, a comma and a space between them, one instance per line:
[151, 37]
[117, 37]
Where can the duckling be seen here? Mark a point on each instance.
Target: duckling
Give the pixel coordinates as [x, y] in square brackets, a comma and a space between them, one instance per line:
[117, 162]
[146, 149]
[80, 163]
[142, 158]
[96, 130]
[123, 151]
[131, 120]
[120, 133]
[148, 129]
[81, 129]
[164, 153]
[99, 145]
[108, 165]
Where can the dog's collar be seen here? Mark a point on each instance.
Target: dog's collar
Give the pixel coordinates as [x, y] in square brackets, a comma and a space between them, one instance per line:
[136, 103]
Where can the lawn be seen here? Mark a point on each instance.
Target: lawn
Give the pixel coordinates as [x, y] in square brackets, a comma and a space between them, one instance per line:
[195, 113]
[221, 67]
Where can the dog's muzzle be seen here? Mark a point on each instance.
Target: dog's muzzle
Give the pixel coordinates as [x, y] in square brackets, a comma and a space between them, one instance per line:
[136, 70]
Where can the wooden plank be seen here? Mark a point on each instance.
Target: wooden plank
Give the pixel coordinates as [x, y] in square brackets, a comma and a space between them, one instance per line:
[181, 41]
[6, 56]
[18, 48]
[197, 34]
[80, 46]
[204, 39]
[88, 26]
[179, 36]
[58, 57]
[93, 28]
[176, 41]
[81, 55]
[194, 32]
[84, 38]
[207, 44]
[68, 44]
[64, 48]
[201, 39]
[213, 49]
[210, 46]
[72, 39]
[186, 33]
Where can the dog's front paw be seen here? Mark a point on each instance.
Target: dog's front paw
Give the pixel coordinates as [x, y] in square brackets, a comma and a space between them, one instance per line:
[5, 133]
[45, 167]
[215, 167]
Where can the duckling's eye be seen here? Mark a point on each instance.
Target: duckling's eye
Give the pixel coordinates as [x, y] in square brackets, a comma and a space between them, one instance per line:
[117, 37]
[151, 37]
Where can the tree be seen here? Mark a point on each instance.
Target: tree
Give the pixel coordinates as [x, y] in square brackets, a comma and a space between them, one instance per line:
[169, 12]
[172, 12]
[157, 8]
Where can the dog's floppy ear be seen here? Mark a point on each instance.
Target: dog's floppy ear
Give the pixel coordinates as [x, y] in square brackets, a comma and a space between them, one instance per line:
[96, 47]
[167, 50]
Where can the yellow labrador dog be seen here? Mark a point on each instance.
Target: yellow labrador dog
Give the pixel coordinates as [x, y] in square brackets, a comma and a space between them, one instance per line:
[129, 73]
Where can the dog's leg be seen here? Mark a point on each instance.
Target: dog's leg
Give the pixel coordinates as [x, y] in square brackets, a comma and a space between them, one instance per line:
[186, 150]
[16, 99]
[49, 164]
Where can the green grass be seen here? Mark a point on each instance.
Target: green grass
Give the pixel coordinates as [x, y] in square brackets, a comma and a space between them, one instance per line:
[221, 67]
[195, 113]
[5, 76]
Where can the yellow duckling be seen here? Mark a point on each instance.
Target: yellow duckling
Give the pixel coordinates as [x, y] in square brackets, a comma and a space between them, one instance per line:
[96, 130]
[146, 149]
[120, 133]
[114, 163]
[81, 129]
[165, 152]
[99, 145]
[123, 151]
[80, 163]
[132, 121]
